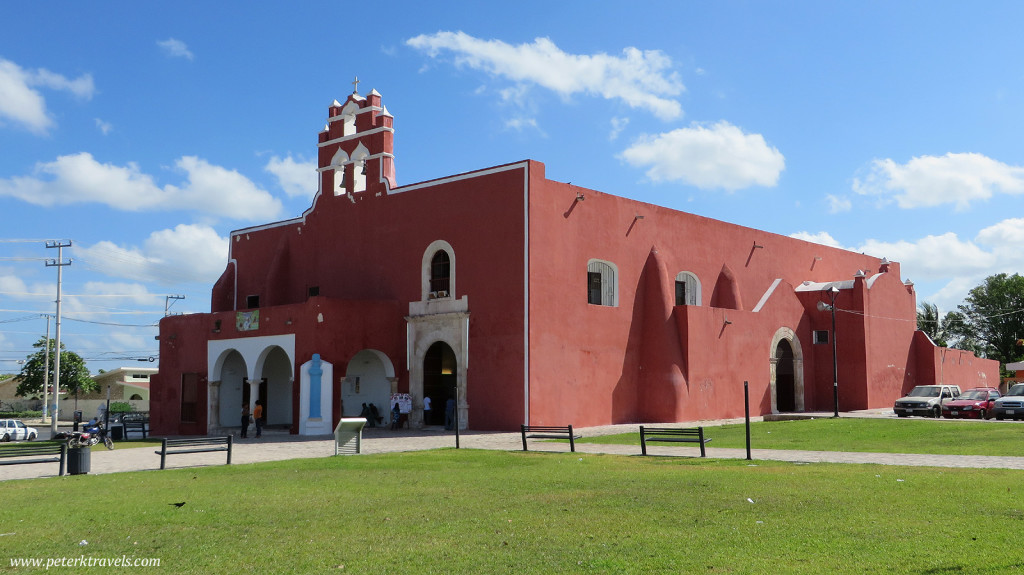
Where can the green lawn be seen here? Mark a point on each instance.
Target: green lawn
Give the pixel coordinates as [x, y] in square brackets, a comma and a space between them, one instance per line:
[867, 435]
[471, 511]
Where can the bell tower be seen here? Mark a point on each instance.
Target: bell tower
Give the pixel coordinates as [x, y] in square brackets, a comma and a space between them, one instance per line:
[356, 147]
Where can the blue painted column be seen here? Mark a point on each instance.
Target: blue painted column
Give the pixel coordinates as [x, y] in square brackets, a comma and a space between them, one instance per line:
[315, 376]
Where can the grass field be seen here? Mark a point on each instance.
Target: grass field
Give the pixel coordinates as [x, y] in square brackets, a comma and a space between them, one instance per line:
[470, 511]
[863, 435]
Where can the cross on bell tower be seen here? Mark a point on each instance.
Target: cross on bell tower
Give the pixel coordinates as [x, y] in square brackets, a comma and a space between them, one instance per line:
[355, 85]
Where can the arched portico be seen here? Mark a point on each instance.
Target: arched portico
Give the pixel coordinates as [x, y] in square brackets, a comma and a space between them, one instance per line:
[250, 368]
[786, 371]
[370, 379]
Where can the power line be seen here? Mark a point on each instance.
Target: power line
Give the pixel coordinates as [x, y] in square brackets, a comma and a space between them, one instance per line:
[37, 294]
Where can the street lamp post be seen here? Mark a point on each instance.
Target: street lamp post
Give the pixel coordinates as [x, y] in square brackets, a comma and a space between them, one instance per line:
[835, 357]
[822, 306]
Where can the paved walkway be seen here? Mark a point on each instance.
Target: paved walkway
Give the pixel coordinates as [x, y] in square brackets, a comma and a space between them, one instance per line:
[280, 446]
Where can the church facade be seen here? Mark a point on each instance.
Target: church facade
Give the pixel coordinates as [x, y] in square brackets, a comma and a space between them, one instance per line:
[530, 301]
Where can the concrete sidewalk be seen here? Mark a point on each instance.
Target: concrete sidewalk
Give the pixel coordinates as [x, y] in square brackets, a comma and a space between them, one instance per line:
[280, 446]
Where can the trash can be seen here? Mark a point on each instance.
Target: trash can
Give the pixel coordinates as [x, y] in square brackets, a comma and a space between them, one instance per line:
[79, 460]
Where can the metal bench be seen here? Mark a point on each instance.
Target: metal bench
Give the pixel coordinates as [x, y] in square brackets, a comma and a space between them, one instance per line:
[135, 425]
[42, 452]
[193, 445]
[673, 434]
[549, 432]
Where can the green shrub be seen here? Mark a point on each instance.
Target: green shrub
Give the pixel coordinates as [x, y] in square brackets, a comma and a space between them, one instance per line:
[121, 407]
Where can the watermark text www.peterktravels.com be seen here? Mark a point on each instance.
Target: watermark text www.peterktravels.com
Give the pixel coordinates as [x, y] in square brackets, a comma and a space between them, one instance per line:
[83, 561]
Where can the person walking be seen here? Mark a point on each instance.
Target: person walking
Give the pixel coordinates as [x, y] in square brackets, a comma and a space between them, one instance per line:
[426, 411]
[245, 420]
[257, 416]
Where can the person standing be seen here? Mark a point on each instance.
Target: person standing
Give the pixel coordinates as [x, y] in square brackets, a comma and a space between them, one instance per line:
[449, 414]
[396, 416]
[257, 416]
[426, 411]
[245, 420]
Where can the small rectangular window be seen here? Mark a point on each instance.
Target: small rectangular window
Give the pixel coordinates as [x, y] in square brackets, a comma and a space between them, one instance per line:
[820, 336]
[252, 302]
[314, 291]
[680, 293]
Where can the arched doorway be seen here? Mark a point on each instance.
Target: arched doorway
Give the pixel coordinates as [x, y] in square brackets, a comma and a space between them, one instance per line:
[234, 389]
[440, 376]
[785, 381]
[786, 372]
[275, 390]
[368, 379]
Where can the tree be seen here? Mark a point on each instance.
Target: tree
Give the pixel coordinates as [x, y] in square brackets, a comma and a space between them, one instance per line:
[991, 319]
[929, 322]
[74, 376]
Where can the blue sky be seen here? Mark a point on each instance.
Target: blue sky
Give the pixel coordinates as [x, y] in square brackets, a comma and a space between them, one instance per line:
[144, 132]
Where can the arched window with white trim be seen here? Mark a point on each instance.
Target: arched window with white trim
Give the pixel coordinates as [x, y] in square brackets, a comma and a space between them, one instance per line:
[437, 271]
[687, 289]
[602, 283]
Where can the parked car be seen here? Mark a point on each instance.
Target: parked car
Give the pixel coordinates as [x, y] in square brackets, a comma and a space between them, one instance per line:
[926, 400]
[974, 403]
[1010, 405]
[16, 430]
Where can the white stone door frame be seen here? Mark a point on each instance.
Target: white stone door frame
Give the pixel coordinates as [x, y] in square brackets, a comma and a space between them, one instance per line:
[449, 325]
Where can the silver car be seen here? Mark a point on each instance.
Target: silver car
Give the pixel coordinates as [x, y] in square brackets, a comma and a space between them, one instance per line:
[1010, 405]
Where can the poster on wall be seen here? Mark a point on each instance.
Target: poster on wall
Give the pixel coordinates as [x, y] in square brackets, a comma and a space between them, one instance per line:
[404, 401]
[247, 320]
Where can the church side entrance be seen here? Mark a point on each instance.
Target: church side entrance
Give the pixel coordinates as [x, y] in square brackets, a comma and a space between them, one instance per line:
[440, 375]
[785, 392]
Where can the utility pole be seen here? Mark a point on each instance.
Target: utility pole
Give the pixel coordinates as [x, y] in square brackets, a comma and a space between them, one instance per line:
[167, 303]
[59, 263]
[46, 370]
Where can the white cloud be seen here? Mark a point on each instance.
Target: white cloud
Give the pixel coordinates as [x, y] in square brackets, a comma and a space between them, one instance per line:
[216, 190]
[520, 124]
[924, 181]
[618, 125]
[838, 204]
[175, 48]
[297, 179]
[105, 127]
[932, 257]
[79, 178]
[823, 238]
[23, 104]
[639, 78]
[187, 253]
[954, 264]
[719, 156]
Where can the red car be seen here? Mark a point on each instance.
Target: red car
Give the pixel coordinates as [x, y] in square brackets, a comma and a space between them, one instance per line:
[974, 403]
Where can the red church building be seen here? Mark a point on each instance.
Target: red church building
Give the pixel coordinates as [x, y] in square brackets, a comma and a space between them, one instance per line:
[538, 301]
